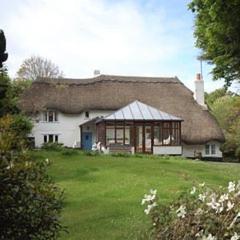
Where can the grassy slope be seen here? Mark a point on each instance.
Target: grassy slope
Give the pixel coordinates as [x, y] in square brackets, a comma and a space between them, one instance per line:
[103, 193]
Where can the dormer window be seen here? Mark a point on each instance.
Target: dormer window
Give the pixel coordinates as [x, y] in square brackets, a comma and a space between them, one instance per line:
[50, 116]
[86, 114]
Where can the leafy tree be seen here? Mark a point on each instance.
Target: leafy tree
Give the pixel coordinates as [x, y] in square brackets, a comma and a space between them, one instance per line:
[36, 66]
[226, 109]
[3, 54]
[217, 32]
[30, 202]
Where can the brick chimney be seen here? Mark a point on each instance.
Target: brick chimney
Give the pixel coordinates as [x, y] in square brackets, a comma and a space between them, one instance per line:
[199, 90]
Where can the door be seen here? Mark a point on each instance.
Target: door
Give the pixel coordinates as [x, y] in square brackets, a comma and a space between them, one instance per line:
[87, 141]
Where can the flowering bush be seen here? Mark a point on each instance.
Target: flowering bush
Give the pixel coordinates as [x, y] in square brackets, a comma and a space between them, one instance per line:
[201, 214]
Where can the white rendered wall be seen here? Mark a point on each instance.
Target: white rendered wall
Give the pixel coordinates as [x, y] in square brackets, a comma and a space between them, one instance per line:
[167, 150]
[67, 127]
[192, 150]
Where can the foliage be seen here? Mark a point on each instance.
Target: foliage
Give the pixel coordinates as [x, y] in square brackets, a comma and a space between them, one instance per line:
[30, 201]
[201, 214]
[69, 152]
[53, 146]
[217, 32]
[227, 111]
[3, 54]
[37, 66]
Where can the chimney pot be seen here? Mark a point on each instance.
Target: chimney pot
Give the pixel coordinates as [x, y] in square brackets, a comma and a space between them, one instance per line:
[198, 77]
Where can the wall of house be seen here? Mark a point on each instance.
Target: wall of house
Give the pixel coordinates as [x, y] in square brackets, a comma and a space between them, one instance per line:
[67, 127]
[167, 150]
[194, 150]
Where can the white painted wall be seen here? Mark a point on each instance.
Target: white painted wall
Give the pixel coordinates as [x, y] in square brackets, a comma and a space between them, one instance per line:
[167, 150]
[67, 127]
[192, 150]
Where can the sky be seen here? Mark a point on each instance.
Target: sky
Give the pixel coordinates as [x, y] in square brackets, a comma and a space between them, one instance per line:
[118, 37]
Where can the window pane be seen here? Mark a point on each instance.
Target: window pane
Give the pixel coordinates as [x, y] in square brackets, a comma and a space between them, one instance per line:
[50, 138]
[56, 138]
[55, 116]
[207, 149]
[119, 137]
[110, 135]
[157, 137]
[45, 138]
[45, 116]
[127, 135]
[213, 149]
[148, 138]
[166, 136]
[50, 116]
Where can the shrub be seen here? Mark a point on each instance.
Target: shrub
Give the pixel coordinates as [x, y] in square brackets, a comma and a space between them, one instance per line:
[201, 213]
[30, 201]
[91, 153]
[53, 146]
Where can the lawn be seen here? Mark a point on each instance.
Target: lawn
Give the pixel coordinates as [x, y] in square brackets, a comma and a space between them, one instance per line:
[103, 193]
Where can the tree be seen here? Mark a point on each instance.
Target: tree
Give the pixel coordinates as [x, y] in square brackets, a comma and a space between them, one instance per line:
[217, 33]
[3, 54]
[30, 201]
[36, 66]
[226, 109]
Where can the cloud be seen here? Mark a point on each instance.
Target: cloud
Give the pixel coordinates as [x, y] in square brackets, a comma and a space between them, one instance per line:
[117, 37]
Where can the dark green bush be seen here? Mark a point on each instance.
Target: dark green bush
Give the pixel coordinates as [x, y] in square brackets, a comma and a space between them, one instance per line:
[53, 146]
[69, 152]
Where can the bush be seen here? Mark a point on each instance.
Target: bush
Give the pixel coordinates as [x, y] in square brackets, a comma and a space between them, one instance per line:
[30, 201]
[53, 146]
[199, 214]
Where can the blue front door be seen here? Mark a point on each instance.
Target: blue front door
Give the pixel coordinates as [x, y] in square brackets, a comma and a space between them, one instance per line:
[87, 141]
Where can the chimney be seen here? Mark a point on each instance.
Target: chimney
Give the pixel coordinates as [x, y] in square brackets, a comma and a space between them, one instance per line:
[199, 90]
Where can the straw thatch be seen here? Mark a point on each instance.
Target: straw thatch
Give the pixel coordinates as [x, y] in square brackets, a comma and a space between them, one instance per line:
[113, 92]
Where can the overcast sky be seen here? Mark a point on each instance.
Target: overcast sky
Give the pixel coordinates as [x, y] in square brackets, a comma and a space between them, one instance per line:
[125, 37]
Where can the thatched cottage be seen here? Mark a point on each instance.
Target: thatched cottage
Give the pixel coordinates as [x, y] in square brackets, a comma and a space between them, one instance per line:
[127, 114]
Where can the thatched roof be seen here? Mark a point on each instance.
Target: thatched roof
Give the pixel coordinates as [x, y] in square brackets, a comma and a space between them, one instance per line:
[107, 92]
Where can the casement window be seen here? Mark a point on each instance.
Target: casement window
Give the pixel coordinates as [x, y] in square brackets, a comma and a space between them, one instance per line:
[210, 149]
[50, 138]
[50, 116]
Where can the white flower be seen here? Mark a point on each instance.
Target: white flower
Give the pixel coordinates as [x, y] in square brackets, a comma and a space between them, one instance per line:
[209, 237]
[153, 191]
[223, 198]
[202, 197]
[229, 206]
[213, 204]
[148, 198]
[199, 211]
[47, 160]
[202, 184]
[193, 190]
[181, 211]
[235, 236]
[231, 186]
[150, 207]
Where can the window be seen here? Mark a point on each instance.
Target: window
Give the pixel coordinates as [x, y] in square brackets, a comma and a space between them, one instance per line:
[167, 133]
[50, 116]
[118, 134]
[110, 135]
[213, 149]
[50, 138]
[86, 114]
[210, 149]
[207, 149]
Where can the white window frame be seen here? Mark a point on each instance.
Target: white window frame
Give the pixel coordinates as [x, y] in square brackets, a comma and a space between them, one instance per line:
[55, 137]
[46, 117]
[212, 148]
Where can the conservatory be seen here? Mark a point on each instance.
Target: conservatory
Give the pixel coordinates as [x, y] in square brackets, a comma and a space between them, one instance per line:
[140, 128]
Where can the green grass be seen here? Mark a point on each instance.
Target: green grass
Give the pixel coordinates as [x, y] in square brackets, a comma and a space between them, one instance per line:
[103, 193]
